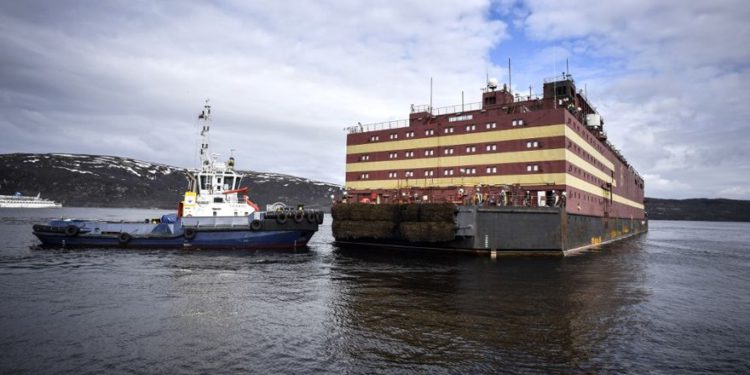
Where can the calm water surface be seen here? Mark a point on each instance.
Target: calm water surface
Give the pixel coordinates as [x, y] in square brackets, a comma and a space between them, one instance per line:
[675, 301]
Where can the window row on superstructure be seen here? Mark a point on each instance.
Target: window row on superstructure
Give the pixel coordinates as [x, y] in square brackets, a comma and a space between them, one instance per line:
[451, 150]
[410, 133]
[459, 171]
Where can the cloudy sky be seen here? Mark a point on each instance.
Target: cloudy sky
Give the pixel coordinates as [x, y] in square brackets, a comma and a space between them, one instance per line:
[127, 78]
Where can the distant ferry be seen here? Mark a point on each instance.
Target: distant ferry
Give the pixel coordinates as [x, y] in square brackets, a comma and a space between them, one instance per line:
[19, 201]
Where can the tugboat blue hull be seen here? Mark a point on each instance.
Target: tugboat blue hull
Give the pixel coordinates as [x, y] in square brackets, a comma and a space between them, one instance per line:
[199, 233]
[221, 240]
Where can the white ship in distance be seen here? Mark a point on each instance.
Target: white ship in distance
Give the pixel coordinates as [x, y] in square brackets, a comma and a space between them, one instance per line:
[20, 201]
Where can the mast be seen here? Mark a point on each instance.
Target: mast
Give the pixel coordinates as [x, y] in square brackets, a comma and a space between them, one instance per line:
[205, 155]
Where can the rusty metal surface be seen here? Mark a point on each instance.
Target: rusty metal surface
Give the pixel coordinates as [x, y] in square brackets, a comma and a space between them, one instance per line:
[501, 229]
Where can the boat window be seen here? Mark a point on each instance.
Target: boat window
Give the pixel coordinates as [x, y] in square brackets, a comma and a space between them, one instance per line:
[204, 183]
[218, 200]
[229, 182]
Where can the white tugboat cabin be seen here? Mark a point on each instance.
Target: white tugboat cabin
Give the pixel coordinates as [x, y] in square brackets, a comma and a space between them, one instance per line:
[214, 189]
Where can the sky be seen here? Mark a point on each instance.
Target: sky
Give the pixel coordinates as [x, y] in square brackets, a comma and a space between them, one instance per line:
[128, 78]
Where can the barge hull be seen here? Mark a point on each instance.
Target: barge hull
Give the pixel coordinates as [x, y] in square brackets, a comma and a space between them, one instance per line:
[504, 230]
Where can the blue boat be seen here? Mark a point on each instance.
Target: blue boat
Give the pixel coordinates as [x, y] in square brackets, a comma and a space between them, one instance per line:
[215, 213]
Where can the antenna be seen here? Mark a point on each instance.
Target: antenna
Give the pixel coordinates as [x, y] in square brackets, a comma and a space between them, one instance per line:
[510, 82]
[554, 80]
[567, 71]
[430, 95]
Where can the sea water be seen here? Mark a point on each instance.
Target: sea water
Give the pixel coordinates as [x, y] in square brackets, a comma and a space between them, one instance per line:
[675, 300]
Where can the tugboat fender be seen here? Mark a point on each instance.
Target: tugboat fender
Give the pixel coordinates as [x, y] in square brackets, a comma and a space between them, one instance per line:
[319, 217]
[299, 216]
[281, 218]
[312, 217]
[255, 224]
[190, 233]
[72, 230]
[124, 238]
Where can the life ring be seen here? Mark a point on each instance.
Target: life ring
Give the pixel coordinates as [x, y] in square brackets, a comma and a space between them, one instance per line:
[256, 224]
[190, 233]
[124, 238]
[312, 217]
[281, 218]
[72, 230]
[299, 216]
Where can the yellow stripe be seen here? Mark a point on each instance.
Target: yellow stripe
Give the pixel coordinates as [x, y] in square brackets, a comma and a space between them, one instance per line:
[461, 139]
[588, 167]
[598, 191]
[460, 161]
[626, 201]
[573, 136]
[481, 159]
[524, 179]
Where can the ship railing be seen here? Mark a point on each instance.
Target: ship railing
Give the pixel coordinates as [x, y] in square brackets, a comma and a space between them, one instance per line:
[361, 128]
[214, 221]
[525, 97]
[561, 77]
[458, 108]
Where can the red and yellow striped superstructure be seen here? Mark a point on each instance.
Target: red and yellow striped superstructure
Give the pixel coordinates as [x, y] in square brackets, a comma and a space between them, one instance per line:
[506, 150]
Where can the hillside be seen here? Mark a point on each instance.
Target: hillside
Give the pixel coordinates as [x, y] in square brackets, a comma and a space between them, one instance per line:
[698, 209]
[110, 181]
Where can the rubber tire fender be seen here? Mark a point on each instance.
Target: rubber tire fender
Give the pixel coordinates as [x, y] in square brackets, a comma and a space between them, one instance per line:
[256, 224]
[124, 238]
[319, 217]
[72, 230]
[299, 216]
[281, 218]
[190, 233]
[312, 217]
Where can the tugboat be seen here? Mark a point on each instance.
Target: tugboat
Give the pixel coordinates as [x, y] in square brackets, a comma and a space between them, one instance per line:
[214, 213]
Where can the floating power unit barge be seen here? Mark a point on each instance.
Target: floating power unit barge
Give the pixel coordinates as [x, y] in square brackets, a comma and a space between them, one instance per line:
[510, 174]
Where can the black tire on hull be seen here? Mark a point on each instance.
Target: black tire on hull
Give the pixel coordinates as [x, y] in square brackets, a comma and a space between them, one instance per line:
[124, 238]
[189, 233]
[299, 216]
[256, 224]
[72, 230]
[281, 218]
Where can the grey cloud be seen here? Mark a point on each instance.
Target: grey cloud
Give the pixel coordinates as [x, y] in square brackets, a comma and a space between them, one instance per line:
[127, 78]
[676, 87]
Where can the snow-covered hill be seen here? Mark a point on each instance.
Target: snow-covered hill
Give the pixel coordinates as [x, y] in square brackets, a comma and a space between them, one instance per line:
[111, 181]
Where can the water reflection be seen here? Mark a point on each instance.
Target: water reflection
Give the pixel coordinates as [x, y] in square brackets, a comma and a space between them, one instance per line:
[432, 309]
